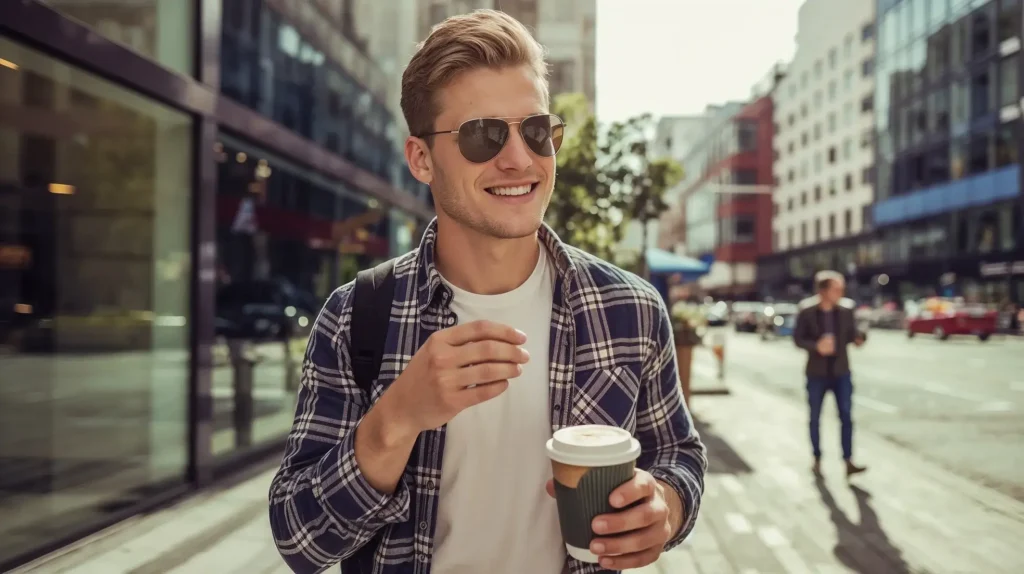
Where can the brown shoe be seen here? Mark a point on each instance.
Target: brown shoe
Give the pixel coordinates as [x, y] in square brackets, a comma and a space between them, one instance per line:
[816, 468]
[852, 469]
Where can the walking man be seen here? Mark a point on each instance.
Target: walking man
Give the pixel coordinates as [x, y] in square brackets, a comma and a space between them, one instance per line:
[499, 333]
[825, 327]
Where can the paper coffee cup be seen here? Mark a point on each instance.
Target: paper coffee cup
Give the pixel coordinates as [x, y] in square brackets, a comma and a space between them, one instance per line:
[589, 462]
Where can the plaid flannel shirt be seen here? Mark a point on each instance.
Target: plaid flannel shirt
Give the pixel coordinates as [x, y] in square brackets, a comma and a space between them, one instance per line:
[612, 361]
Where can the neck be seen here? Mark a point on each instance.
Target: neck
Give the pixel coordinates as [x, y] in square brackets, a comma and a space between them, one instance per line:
[826, 305]
[481, 264]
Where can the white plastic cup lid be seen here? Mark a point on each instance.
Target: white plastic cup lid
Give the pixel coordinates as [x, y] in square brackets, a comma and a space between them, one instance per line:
[593, 445]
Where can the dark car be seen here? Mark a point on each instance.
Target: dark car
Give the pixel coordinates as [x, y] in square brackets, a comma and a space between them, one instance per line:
[264, 310]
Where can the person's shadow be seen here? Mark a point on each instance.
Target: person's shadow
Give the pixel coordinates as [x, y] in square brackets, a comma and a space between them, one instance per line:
[864, 547]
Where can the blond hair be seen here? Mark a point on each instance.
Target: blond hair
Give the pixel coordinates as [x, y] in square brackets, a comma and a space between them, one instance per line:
[480, 39]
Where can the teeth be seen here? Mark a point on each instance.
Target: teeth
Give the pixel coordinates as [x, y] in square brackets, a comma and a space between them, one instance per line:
[520, 190]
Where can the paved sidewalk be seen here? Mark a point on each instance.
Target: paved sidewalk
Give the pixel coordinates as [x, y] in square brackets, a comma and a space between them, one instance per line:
[763, 512]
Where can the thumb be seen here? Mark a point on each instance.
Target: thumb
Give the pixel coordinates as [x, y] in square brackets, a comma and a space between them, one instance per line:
[550, 487]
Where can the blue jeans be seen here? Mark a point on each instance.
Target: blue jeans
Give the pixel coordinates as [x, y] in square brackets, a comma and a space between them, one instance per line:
[842, 388]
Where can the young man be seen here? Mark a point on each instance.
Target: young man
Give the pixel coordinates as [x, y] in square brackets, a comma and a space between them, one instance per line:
[824, 328]
[499, 334]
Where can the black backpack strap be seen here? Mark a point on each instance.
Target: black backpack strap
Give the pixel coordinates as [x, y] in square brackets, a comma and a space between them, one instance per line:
[371, 314]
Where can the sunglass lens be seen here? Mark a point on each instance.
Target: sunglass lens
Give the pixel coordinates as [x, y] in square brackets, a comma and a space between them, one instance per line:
[481, 140]
[543, 134]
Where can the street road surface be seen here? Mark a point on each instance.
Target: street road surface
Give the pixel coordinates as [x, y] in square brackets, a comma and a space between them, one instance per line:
[959, 403]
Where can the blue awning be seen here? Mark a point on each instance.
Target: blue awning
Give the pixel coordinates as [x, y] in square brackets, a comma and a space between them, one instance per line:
[661, 261]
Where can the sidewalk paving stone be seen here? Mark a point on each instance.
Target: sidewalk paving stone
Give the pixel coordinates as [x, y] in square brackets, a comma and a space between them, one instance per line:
[763, 511]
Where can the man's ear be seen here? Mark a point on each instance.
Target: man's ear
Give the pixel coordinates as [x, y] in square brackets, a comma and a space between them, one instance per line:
[417, 155]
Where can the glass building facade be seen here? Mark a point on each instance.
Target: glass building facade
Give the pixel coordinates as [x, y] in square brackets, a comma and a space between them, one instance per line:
[182, 185]
[948, 140]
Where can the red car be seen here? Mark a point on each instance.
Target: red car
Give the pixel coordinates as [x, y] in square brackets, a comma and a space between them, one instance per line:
[943, 318]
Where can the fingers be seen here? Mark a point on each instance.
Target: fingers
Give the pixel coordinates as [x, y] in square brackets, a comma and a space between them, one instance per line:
[482, 331]
[631, 560]
[482, 393]
[640, 487]
[488, 373]
[491, 351]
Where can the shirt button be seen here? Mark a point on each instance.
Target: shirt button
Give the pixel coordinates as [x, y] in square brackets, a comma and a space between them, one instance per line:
[558, 408]
[423, 525]
[430, 485]
[422, 557]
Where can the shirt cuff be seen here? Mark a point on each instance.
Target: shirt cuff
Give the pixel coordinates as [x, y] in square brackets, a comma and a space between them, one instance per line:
[689, 489]
[349, 499]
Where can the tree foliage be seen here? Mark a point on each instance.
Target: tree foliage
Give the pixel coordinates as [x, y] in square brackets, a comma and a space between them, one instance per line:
[606, 178]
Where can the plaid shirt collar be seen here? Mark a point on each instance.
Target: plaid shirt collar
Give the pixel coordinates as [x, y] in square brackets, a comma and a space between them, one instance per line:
[428, 279]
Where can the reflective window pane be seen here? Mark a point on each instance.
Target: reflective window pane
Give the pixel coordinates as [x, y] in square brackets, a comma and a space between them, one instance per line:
[159, 29]
[94, 298]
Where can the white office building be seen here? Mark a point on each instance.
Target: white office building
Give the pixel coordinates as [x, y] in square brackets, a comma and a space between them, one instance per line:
[824, 118]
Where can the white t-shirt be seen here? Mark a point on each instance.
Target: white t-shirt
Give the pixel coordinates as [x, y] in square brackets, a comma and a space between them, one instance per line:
[494, 515]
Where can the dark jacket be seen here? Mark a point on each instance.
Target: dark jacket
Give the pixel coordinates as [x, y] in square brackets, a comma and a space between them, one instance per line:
[808, 331]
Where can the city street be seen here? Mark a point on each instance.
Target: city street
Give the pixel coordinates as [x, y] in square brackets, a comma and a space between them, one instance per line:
[959, 403]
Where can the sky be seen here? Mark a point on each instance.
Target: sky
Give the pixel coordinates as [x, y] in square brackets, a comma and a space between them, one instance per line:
[671, 57]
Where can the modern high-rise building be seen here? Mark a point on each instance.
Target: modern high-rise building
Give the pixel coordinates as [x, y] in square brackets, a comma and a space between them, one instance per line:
[565, 28]
[182, 185]
[948, 208]
[824, 118]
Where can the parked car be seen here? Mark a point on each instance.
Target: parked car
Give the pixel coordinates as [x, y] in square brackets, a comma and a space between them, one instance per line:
[777, 320]
[745, 315]
[945, 317]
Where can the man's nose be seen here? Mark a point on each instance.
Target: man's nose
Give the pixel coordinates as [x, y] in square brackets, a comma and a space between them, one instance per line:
[516, 155]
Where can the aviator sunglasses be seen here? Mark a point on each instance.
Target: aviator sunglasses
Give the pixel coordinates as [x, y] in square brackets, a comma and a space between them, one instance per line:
[480, 140]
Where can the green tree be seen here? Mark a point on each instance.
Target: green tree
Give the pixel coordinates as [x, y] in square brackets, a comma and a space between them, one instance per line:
[640, 182]
[606, 179]
[581, 211]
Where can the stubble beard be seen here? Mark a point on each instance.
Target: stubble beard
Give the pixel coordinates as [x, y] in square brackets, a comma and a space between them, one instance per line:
[481, 223]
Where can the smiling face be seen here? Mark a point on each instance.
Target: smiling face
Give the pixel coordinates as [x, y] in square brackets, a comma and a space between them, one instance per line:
[506, 196]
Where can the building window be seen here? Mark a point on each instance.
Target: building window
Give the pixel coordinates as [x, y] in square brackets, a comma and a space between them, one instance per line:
[792, 119]
[849, 182]
[803, 233]
[982, 93]
[831, 90]
[867, 104]
[848, 80]
[848, 114]
[867, 67]
[746, 135]
[847, 149]
[158, 29]
[817, 132]
[868, 175]
[832, 225]
[848, 221]
[818, 98]
[817, 70]
[744, 176]
[865, 217]
[832, 186]
[789, 236]
[96, 217]
[817, 229]
[831, 155]
[803, 198]
[789, 204]
[1006, 149]
[791, 147]
[792, 176]
[832, 58]
[803, 110]
[817, 193]
[848, 46]
[980, 153]
[867, 32]
[1009, 91]
[1009, 20]
[563, 76]
[982, 33]
[832, 122]
[803, 139]
[867, 138]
